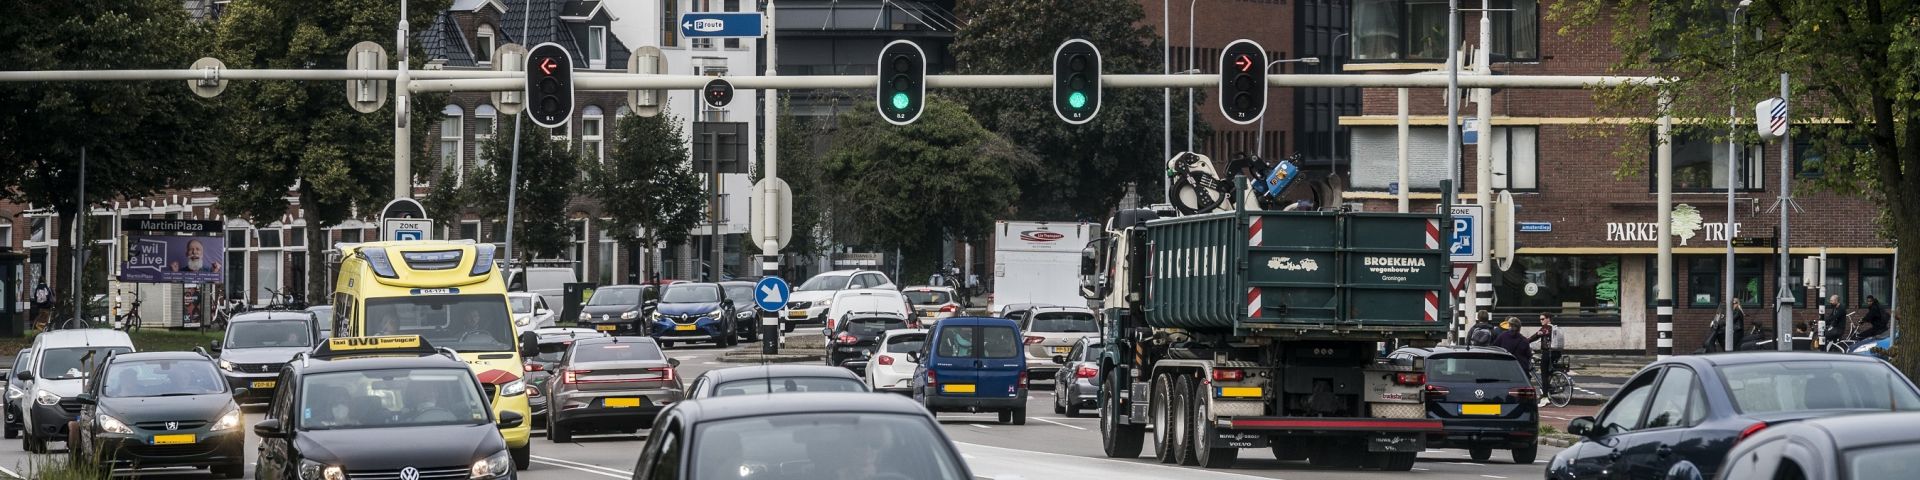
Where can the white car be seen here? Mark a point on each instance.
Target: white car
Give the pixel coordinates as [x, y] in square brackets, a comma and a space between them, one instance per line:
[1052, 331]
[889, 370]
[866, 300]
[810, 301]
[530, 311]
[933, 303]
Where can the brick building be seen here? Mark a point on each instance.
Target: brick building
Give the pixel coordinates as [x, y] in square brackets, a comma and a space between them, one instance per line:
[1588, 253]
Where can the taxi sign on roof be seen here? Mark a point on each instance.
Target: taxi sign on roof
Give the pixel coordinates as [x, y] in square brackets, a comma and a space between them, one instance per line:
[394, 344]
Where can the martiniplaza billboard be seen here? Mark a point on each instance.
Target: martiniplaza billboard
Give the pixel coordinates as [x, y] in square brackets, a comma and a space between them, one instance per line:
[173, 251]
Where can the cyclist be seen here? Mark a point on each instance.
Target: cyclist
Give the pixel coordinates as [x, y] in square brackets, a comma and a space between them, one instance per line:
[1876, 320]
[1552, 342]
[1836, 320]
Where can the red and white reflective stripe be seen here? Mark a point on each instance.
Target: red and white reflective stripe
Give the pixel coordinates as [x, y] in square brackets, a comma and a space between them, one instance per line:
[1253, 302]
[1253, 232]
[1433, 234]
[1433, 305]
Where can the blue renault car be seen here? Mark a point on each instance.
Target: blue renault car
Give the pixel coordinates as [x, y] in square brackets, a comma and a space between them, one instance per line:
[972, 364]
[693, 312]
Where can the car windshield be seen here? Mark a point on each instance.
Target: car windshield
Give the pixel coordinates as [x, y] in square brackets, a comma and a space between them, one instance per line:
[823, 446]
[760, 386]
[825, 282]
[551, 352]
[162, 378]
[1474, 369]
[740, 294]
[1063, 322]
[929, 297]
[1891, 461]
[65, 363]
[906, 343]
[521, 304]
[873, 325]
[617, 352]
[692, 293]
[615, 296]
[466, 323]
[1817, 385]
[269, 333]
[390, 398]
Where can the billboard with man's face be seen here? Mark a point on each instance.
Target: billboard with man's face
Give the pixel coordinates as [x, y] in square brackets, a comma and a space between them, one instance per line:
[174, 259]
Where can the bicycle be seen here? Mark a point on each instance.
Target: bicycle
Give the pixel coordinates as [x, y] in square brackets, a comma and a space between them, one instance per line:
[291, 303]
[222, 315]
[129, 321]
[1846, 341]
[1557, 389]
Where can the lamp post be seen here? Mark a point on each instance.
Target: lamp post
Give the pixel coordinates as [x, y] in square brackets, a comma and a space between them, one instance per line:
[1260, 137]
[1733, 181]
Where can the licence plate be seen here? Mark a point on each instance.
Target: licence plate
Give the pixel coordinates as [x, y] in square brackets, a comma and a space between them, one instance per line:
[797, 314]
[265, 384]
[621, 402]
[957, 388]
[178, 439]
[1061, 350]
[605, 328]
[1480, 409]
[683, 327]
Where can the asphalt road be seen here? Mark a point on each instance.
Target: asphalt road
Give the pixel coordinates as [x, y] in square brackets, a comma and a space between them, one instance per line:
[1048, 447]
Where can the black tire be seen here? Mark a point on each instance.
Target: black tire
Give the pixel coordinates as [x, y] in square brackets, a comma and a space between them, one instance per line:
[1525, 456]
[666, 344]
[752, 334]
[1394, 462]
[1163, 444]
[1019, 416]
[1201, 430]
[1182, 421]
[522, 457]
[1116, 439]
[1006, 417]
[1480, 454]
[12, 432]
[1073, 411]
[786, 327]
[558, 433]
[229, 471]
[33, 443]
[1058, 409]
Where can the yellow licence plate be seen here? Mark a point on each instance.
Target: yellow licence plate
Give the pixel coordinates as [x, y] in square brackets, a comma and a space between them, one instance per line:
[1061, 350]
[797, 314]
[265, 384]
[1480, 409]
[683, 327]
[621, 402]
[605, 328]
[178, 439]
[957, 388]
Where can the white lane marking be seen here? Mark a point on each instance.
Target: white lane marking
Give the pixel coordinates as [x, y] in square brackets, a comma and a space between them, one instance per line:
[10, 473]
[1127, 464]
[1467, 463]
[976, 425]
[1492, 476]
[1060, 424]
[1418, 469]
[584, 467]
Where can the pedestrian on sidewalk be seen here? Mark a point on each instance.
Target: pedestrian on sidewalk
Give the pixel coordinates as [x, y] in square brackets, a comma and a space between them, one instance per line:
[42, 304]
[1511, 340]
[1482, 332]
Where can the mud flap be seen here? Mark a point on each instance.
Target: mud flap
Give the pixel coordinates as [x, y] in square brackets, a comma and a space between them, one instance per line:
[1396, 443]
[1232, 439]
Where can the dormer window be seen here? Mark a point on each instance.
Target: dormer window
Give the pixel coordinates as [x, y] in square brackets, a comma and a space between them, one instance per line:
[597, 47]
[484, 38]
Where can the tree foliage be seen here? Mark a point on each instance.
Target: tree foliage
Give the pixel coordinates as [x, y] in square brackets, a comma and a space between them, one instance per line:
[800, 168]
[548, 170]
[1086, 168]
[913, 186]
[1856, 64]
[647, 187]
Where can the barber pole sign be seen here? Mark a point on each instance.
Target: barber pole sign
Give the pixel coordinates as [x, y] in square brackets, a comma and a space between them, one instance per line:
[1770, 116]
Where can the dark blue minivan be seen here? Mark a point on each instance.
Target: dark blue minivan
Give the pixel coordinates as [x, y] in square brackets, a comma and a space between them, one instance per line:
[973, 364]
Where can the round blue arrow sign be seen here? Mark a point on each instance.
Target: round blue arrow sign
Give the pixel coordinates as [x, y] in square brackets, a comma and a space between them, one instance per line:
[771, 293]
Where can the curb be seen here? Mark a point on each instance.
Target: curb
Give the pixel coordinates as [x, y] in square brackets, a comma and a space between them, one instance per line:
[1558, 440]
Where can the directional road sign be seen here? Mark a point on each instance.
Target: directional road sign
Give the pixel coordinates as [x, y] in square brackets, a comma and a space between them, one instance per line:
[721, 25]
[771, 293]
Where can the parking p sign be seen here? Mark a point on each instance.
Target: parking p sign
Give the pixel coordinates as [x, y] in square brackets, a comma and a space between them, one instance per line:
[1468, 236]
[407, 229]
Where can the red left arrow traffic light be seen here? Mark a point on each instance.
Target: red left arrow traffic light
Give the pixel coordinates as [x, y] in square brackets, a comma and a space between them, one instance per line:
[549, 85]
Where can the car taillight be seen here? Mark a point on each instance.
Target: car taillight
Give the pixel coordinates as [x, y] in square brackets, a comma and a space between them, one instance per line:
[1035, 340]
[1086, 371]
[533, 391]
[1228, 374]
[1436, 392]
[885, 360]
[950, 308]
[535, 367]
[666, 373]
[1023, 378]
[1410, 378]
[571, 377]
[1524, 393]
[931, 381]
[1749, 431]
[848, 339]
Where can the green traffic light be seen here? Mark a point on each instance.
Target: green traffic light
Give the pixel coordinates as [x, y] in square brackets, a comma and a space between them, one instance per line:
[1077, 100]
[900, 100]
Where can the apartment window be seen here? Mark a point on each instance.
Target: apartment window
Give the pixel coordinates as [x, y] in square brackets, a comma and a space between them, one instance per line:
[1564, 285]
[1810, 152]
[670, 23]
[1516, 162]
[38, 233]
[470, 230]
[485, 124]
[1836, 281]
[450, 136]
[592, 131]
[485, 35]
[1704, 276]
[6, 233]
[1700, 164]
[1876, 280]
[236, 264]
[351, 235]
[596, 47]
[603, 264]
[267, 268]
[1416, 30]
[297, 237]
[577, 247]
[732, 6]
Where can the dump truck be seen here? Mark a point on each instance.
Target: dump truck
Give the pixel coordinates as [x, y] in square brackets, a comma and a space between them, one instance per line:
[1264, 329]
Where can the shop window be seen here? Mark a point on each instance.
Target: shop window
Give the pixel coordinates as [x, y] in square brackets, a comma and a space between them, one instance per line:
[1416, 30]
[1704, 274]
[1836, 282]
[1653, 294]
[1876, 280]
[1564, 285]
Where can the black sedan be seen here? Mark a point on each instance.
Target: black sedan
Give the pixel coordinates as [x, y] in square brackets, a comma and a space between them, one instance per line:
[824, 435]
[856, 337]
[619, 309]
[746, 316]
[1881, 445]
[1481, 397]
[1679, 417]
[160, 409]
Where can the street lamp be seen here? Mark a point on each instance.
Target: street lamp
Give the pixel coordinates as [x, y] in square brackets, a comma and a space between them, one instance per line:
[1260, 137]
[1733, 179]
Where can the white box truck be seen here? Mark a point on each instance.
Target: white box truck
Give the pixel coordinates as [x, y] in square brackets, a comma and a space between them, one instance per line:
[1037, 262]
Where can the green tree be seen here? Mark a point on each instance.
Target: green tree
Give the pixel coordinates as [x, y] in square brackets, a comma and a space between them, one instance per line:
[800, 168]
[1857, 63]
[548, 170]
[139, 137]
[944, 176]
[300, 137]
[647, 187]
[1087, 167]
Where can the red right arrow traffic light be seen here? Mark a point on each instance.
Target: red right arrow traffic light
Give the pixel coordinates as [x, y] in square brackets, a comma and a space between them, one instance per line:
[1243, 88]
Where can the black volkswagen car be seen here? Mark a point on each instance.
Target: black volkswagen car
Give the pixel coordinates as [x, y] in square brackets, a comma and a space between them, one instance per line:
[160, 409]
[1482, 399]
[381, 408]
[855, 337]
[619, 309]
[257, 344]
[1678, 418]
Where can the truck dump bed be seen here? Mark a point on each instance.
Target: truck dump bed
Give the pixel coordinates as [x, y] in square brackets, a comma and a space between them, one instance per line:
[1299, 274]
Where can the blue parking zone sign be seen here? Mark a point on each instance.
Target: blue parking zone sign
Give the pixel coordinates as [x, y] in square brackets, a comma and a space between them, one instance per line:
[771, 293]
[1467, 238]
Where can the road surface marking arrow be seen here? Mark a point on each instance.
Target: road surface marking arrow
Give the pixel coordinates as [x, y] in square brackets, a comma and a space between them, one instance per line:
[772, 294]
[546, 65]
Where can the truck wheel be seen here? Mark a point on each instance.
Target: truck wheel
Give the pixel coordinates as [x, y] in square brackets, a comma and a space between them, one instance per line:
[12, 433]
[1204, 452]
[1182, 424]
[1162, 424]
[1394, 462]
[1480, 454]
[1119, 440]
[1524, 456]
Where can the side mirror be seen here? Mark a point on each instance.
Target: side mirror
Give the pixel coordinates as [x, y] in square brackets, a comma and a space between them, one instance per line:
[541, 312]
[535, 367]
[913, 356]
[1584, 426]
[675, 362]
[269, 428]
[86, 399]
[1060, 359]
[24, 375]
[529, 344]
[240, 392]
[510, 419]
[214, 345]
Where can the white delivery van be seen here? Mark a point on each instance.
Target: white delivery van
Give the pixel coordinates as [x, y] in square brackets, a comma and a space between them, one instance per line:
[1038, 262]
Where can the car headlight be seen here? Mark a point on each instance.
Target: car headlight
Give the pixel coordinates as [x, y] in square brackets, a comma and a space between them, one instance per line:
[14, 393]
[228, 421]
[585, 317]
[744, 314]
[655, 316]
[113, 425]
[1864, 347]
[46, 398]
[312, 470]
[516, 387]
[228, 366]
[629, 315]
[522, 321]
[824, 303]
[716, 314]
[496, 466]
